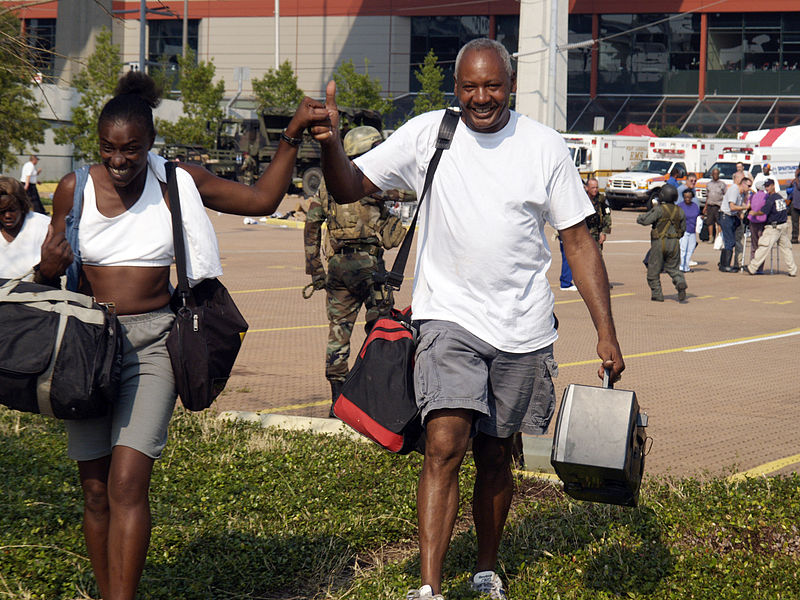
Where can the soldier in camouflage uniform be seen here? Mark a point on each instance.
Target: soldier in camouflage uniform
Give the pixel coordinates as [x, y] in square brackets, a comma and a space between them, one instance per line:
[599, 223]
[357, 235]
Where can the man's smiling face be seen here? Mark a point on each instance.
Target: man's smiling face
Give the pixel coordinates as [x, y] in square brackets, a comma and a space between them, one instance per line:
[483, 88]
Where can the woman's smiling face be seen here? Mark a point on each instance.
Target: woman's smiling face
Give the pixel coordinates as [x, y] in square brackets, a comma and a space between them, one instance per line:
[123, 150]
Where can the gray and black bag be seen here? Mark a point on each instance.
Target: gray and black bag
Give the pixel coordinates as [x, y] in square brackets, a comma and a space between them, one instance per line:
[60, 352]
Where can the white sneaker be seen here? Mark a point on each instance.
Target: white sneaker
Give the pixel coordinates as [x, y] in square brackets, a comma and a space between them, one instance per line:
[489, 584]
[423, 593]
[692, 263]
[571, 288]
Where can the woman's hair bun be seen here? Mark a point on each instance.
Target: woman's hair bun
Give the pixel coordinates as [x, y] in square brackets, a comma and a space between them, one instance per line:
[139, 84]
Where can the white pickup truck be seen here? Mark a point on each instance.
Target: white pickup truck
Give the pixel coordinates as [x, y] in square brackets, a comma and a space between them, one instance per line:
[640, 185]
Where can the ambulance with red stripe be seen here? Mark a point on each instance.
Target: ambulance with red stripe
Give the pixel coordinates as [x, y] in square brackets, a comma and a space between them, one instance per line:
[782, 161]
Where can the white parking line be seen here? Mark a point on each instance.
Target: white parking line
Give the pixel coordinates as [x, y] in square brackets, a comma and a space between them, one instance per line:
[747, 341]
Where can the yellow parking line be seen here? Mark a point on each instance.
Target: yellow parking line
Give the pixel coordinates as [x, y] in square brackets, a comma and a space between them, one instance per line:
[766, 468]
[297, 327]
[294, 406]
[278, 289]
[581, 299]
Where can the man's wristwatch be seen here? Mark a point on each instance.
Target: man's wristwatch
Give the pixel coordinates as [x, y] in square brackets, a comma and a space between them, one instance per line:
[290, 140]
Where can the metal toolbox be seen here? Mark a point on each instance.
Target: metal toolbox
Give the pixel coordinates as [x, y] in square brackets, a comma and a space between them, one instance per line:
[599, 444]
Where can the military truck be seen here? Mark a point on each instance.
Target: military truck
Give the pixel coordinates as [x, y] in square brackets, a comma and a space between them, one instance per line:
[244, 147]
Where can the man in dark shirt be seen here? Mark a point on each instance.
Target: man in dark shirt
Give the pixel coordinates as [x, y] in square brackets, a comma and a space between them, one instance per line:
[776, 231]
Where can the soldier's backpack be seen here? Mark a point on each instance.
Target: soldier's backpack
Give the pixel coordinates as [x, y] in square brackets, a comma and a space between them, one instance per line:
[377, 398]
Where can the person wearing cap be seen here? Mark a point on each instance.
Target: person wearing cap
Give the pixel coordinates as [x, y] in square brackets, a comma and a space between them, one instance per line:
[357, 234]
[776, 231]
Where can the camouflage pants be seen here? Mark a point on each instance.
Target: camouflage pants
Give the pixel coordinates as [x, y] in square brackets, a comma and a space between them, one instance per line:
[349, 285]
[664, 254]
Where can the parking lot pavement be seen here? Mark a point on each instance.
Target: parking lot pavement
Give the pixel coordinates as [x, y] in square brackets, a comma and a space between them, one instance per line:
[718, 375]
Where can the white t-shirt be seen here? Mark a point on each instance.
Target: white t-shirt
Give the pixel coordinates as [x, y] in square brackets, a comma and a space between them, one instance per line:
[482, 256]
[732, 196]
[20, 255]
[761, 177]
[28, 169]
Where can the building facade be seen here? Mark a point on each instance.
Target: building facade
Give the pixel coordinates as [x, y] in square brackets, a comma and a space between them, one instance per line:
[706, 67]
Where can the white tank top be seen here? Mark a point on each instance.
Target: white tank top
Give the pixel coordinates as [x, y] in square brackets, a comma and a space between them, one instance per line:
[139, 237]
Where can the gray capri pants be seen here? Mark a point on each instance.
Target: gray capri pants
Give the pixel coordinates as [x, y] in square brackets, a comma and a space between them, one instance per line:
[140, 417]
[510, 391]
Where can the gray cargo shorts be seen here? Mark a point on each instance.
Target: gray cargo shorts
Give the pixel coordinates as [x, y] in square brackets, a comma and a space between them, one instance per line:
[140, 417]
[510, 391]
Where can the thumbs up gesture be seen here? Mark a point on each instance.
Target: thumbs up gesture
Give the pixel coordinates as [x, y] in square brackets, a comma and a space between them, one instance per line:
[329, 129]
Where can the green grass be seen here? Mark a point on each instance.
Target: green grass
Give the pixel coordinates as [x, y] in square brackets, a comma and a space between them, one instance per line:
[242, 512]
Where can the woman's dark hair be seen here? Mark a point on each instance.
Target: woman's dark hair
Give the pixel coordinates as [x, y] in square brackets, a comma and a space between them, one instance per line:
[11, 187]
[135, 97]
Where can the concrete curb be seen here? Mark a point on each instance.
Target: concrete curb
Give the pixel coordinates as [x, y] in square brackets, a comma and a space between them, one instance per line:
[294, 423]
[535, 449]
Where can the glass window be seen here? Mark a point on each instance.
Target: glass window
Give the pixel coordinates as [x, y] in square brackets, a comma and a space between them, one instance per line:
[725, 20]
[41, 38]
[747, 115]
[507, 31]
[166, 45]
[445, 36]
[579, 60]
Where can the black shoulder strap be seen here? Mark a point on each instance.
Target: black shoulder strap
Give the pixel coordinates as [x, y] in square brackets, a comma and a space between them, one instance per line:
[177, 231]
[447, 128]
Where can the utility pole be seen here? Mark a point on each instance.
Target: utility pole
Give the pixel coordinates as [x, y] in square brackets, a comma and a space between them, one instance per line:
[185, 40]
[277, 34]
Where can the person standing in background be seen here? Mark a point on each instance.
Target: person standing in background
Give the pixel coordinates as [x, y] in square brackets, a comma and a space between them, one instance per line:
[689, 239]
[794, 205]
[30, 173]
[715, 190]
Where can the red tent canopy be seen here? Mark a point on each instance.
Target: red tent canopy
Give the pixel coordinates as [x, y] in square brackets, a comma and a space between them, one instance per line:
[633, 129]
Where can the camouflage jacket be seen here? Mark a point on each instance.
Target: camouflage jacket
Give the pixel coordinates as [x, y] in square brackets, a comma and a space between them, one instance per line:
[600, 221]
[360, 222]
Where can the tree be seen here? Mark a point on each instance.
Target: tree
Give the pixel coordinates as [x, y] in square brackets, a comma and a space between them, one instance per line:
[430, 77]
[19, 111]
[201, 105]
[359, 90]
[95, 84]
[277, 90]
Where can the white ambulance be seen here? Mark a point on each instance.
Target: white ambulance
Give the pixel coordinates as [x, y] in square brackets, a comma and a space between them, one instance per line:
[601, 156]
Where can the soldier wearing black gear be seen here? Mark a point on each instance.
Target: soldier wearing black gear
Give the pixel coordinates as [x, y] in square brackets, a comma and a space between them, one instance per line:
[669, 224]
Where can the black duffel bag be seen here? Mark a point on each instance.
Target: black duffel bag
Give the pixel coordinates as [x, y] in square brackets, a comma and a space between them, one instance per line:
[60, 352]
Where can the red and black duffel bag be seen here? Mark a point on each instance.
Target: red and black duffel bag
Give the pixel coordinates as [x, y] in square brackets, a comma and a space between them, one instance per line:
[378, 400]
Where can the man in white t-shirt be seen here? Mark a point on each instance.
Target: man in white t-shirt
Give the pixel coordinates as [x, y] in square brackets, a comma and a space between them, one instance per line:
[484, 358]
[28, 177]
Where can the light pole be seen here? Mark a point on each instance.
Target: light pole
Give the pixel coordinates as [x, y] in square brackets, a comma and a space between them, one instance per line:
[277, 33]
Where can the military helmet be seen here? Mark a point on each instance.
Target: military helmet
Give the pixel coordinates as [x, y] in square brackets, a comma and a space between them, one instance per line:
[361, 139]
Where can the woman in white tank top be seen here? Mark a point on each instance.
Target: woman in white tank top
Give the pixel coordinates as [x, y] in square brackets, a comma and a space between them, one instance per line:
[132, 272]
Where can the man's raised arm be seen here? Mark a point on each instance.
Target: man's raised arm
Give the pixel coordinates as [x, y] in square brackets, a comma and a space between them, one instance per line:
[345, 182]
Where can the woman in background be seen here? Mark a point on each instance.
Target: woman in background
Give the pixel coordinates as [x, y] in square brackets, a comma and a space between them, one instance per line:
[22, 231]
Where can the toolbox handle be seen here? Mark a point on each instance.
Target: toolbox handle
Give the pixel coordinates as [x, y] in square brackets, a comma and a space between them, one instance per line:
[607, 379]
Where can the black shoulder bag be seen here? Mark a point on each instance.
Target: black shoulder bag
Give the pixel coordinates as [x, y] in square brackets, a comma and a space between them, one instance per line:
[208, 330]
[377, 398]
